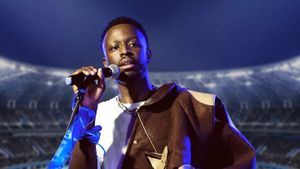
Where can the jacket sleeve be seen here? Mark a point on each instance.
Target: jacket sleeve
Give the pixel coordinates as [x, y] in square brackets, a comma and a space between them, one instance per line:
[236, 150]
[83, 156]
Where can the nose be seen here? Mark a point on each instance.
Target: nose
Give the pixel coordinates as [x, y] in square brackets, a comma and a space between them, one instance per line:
[125, 50]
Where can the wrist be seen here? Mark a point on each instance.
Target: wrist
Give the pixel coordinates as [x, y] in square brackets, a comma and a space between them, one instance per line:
[86, 101]
[89, 104]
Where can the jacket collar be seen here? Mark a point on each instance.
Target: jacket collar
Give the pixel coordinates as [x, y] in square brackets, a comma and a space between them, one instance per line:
[162, 92]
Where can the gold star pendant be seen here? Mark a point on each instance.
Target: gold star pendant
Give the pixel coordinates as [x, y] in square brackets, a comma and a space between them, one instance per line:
[157, 163]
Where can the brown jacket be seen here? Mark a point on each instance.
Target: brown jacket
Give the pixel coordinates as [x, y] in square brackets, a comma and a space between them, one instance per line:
[187, 129]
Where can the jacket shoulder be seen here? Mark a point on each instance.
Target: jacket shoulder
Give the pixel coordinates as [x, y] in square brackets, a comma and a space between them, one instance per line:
[205, 98]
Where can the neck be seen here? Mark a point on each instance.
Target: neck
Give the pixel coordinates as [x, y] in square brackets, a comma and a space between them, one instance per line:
[136, 91]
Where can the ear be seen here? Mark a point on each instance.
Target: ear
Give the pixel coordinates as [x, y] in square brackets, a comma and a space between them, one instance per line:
[149, 55]
[104, 62]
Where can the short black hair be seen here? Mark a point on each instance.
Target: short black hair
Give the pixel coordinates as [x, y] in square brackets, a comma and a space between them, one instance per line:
[123, 20]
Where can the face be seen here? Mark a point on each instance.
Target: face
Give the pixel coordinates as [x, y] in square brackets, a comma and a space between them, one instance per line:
[126, 46]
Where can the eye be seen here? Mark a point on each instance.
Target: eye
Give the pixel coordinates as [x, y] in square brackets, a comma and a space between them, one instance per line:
[134, 44]
[114, 48]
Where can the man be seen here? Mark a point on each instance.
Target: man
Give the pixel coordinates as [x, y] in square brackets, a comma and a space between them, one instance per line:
[149, 127]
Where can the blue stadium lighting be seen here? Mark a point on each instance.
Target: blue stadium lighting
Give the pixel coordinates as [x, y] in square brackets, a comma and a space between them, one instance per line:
[239, 73]
[220, 75]
[210, 85]
[296, 78]
[248, 83]
[194, 77]
[49, 83]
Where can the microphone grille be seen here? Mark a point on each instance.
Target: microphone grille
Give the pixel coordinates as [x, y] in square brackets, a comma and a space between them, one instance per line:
[68, 81]
[115, 71]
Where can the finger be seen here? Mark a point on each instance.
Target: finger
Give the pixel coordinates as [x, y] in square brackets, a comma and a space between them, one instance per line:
[101, 77]
[77, 71]
[100, 74]
[92, 70]
[83, 70]
[89, 70]
[75, 88]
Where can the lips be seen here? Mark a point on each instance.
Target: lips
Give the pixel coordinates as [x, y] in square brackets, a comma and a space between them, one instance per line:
[127, 64]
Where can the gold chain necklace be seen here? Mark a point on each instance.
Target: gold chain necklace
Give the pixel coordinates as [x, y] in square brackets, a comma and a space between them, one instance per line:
[135, 110]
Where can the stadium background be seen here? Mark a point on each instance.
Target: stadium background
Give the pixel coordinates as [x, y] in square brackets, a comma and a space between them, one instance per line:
[245, 52]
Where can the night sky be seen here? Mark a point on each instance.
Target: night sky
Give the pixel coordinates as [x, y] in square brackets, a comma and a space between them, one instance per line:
[183, 36]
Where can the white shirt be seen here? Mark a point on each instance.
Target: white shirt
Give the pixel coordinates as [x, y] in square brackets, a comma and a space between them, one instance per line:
[116, 129]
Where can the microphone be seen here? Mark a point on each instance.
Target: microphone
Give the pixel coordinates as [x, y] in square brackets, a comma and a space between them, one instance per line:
[81, 80]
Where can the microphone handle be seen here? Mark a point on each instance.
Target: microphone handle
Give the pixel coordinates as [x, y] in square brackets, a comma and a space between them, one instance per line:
[81, 80]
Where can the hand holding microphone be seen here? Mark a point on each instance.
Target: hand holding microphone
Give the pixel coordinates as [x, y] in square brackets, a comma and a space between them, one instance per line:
[85, 77]
[82, 118]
